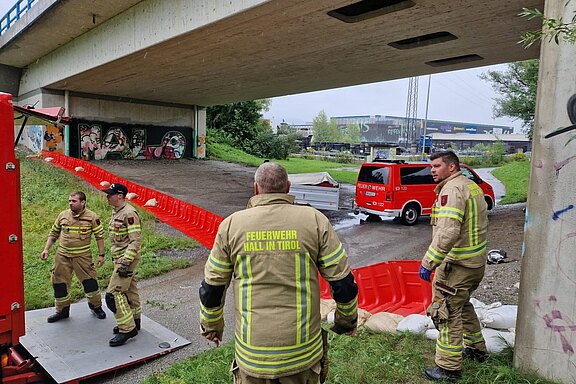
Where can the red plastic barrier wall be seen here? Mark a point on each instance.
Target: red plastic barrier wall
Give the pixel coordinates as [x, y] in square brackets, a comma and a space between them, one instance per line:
[194, 221]
[392, 286]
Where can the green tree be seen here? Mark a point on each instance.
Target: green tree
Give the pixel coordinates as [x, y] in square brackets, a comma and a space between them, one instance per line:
[552, 29]
[324, 130]
[239, 121]
[517, 86]
[352, 134]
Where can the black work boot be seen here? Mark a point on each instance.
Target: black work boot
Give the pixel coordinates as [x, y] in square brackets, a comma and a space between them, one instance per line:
[474, 354]
[138, 322]
[122, 338]
[439, 374]
[98, 312]
[59, 315]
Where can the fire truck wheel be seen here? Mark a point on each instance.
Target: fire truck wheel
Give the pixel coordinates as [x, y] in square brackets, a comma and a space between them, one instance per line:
[410, 214]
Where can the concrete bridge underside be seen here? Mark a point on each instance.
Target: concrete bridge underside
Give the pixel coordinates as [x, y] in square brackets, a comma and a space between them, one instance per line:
[212, 52]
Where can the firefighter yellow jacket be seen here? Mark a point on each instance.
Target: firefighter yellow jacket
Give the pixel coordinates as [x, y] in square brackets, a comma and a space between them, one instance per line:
[75, 232]
[272, 253]
[125, 234]
[460, 223]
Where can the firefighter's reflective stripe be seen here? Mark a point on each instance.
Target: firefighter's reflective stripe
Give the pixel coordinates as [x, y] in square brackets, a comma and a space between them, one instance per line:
[130, 254]
[468, 252]
[118, 230]
[245, 296]
[333, 257]
[211, 315]
[473, 221]
[436, 256]
[303, 297]
[219, 264]
[348, 309]
[451, 213]
[473, 338]
[75, 250]
[134, 228]
[276, 360]
[64, 299]
[447, 349]
[123, 309]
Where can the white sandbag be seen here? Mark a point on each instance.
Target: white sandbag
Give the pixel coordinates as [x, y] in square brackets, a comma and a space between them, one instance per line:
[79, 169]
[431, 334]
[363, 317]
[496, 341]
[503, 317]
[330, 317]
[151, 203]
[480, 308]
[415, 324]
[105, 184]
[326, 306]
[383, 322]
[131, 196]
[48, 159]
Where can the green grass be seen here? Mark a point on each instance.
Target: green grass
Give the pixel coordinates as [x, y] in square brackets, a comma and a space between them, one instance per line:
[515, 177]
[377, 358]
[293, 165]
[45, 191]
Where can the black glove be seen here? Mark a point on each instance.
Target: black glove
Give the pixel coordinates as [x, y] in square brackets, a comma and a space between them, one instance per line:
[123, 271]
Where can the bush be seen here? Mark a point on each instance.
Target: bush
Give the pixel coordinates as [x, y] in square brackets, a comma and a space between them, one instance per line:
[269, 145]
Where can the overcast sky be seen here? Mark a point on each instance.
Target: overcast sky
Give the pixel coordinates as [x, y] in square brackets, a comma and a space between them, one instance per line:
[455, 96]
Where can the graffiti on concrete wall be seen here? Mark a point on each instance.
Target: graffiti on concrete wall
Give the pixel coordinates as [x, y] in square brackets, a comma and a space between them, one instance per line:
[54, 139]
[34, 135]
[554, 310]
[90, 141]
[98, 141]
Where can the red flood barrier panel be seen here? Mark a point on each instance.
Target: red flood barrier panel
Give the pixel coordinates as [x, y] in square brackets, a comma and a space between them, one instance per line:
[392, 286]
[188, 218]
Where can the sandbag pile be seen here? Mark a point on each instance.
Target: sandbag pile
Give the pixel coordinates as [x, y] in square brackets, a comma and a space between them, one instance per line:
[498, 322]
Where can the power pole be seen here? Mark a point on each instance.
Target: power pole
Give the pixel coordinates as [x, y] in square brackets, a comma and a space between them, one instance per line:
[411, 111]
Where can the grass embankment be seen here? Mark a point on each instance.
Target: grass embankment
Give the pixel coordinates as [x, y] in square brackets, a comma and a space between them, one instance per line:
[377, 358]
[45, 191]
[515, 177]
[293, 165]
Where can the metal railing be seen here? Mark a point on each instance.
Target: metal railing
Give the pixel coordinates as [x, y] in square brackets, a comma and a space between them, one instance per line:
[14, 14]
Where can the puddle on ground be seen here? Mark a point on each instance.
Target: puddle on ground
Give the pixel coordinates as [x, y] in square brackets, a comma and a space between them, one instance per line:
[352, 220]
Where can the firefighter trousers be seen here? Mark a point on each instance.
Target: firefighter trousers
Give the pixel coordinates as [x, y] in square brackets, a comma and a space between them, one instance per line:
[123, 299]
[83, 268]
[309, 376]
[453, 313]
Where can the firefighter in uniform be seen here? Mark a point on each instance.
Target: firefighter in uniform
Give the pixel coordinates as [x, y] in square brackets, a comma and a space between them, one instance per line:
[122, 296]
[458, 254]
[272, 253]
[74, 228]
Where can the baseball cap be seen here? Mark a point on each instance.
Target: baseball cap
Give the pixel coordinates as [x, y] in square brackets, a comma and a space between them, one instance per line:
[115, 188]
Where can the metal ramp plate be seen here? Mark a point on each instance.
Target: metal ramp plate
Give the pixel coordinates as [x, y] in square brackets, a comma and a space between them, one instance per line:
[77, 348]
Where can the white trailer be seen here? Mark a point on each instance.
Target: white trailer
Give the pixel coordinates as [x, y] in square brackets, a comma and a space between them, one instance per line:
[319, 190]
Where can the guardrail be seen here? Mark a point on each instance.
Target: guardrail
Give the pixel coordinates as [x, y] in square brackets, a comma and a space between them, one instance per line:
[14, 14]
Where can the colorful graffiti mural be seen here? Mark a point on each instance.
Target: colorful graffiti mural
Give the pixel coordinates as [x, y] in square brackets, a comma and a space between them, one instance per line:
[54, 139]
[103, 141]
[34, 135]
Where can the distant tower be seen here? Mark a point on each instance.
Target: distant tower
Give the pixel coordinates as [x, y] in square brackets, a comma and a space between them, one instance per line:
[411, 112]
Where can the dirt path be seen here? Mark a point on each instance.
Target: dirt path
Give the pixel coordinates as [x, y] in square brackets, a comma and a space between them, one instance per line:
[224, 188]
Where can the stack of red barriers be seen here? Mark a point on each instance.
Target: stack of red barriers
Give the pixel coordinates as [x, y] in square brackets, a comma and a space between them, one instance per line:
[392, 286]
[194, 221]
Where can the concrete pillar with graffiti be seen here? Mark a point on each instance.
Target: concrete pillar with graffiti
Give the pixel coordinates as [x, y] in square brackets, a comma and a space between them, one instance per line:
[546, 325]
[200, 125]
